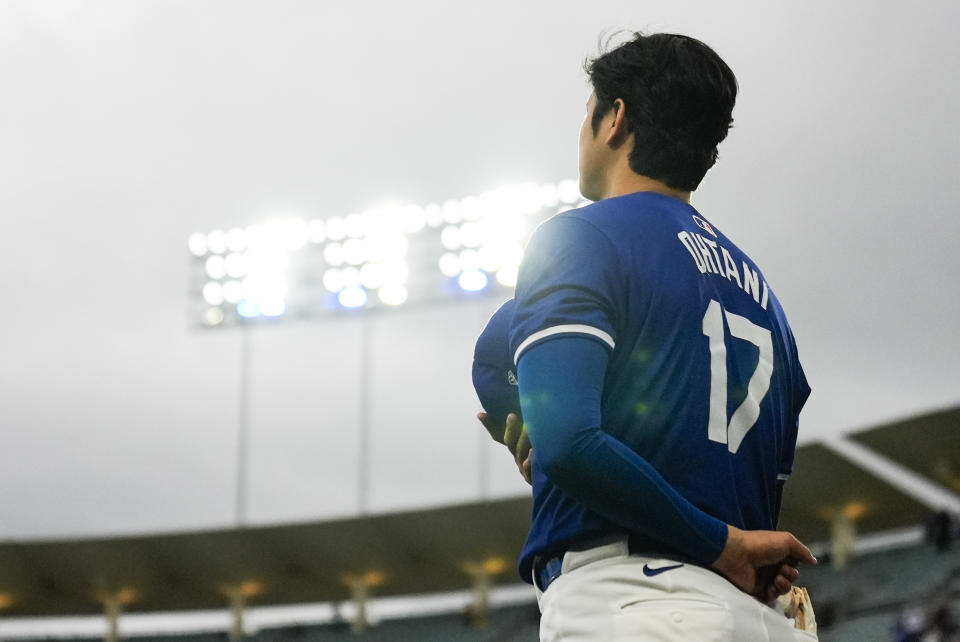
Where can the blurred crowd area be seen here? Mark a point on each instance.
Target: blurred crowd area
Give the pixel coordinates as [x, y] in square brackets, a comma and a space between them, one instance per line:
[904, 594]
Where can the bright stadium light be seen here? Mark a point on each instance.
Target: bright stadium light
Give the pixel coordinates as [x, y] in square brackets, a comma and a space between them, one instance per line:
[213, 316]
[396, 272]
[197, 244]
[372, 275]
[507, 276]
[473, 280]
[355, 251]
[471, 234]
[353, 297]
[217, 242]
[450, 237]
[274, 308]
[393, 294]
[232, 291]
[248, 309]
[235, 265]
[351, 277]
[333, 280]
[333, 254]
[491, 257]
[215, 267]
[386, 247]
[387, 255]
[469, 260]
[261, 288]
[449, 264]
[213, 293]
[236, 240]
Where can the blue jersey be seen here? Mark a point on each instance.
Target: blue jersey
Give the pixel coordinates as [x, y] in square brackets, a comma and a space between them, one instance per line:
[702, 379]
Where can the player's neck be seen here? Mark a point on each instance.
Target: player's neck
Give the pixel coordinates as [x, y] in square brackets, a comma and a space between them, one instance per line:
[623, 180]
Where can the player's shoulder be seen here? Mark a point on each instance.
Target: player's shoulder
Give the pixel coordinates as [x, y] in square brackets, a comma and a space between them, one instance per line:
[581, 227]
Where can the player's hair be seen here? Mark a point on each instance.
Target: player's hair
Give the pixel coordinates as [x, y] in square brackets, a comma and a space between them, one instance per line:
[679, 97]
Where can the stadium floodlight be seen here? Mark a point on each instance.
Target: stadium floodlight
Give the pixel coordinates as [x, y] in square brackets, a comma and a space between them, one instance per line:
[216, 268]
[450, 237]
[449, 264]
[333, 254]
[388, 255]
[273, 308]
[213, 293]
[197, 244]
[235, 265]
[333, 280]
[213, 316]
[473, 280]
[507, 276]
[217, 242]
[469, 260]
[351, 277]
[248, 309]
[236, 240]
[393, 294]
[355, 251]
[372, 275]
[232, 292]
[352, 297]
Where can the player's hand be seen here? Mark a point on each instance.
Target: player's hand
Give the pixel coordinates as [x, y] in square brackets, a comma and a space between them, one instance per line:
[515, 438]
[762, 563]
[518, 443]
[496, 431]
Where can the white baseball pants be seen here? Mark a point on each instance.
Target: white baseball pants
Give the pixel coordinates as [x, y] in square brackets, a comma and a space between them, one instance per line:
[604, 595]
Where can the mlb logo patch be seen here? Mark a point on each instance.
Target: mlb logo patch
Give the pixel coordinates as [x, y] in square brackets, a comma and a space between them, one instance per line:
[702, 224]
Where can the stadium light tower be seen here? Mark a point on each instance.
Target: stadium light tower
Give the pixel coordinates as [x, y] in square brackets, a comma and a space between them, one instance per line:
[383, 257]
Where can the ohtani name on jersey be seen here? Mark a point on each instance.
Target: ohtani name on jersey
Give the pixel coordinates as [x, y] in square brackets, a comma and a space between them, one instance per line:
[707, 255]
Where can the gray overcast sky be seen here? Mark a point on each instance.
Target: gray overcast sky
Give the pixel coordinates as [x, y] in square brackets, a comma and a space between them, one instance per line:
[125, 126]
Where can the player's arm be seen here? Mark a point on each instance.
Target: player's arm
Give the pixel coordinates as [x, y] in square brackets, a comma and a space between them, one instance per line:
[561, 381]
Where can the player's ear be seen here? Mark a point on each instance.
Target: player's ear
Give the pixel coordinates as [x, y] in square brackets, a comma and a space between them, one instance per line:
[617, 129]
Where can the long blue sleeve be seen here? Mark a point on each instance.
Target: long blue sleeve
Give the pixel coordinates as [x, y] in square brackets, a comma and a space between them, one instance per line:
[561, 382]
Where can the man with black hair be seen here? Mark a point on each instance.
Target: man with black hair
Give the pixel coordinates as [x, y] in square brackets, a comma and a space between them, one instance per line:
[659, 380]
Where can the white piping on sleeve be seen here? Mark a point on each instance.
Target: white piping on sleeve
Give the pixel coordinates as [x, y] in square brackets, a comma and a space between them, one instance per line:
[562, 329]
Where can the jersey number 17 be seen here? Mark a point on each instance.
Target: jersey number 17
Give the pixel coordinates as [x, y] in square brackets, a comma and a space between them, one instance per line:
[745, 416]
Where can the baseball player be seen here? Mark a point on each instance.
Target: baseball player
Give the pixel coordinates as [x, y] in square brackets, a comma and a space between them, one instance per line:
[659, 380]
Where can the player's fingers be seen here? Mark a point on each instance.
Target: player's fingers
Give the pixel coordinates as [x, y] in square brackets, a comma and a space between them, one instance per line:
[512, 434]
[789, 572]
[495, 431]
[527, 468]
[800, 552]
[522, 449]
[769, 593]
[782, 584]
